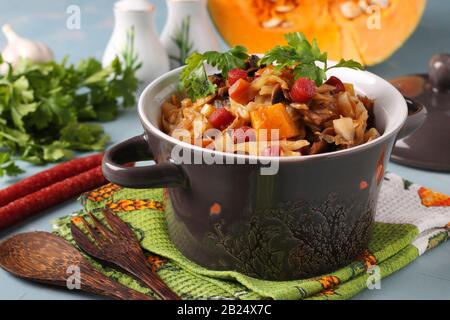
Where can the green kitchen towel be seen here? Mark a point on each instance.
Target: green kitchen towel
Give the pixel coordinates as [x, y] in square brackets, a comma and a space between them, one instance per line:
[409, 221]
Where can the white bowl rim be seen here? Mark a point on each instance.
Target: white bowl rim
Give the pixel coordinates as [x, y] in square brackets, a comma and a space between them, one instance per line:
[400, 101]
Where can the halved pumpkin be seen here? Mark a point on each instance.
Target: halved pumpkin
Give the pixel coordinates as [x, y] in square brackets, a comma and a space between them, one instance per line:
[365, 30]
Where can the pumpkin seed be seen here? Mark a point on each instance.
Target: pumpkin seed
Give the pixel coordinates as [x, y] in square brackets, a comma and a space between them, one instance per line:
[272, 23]
[363, 4]
[284, 8]
[382, 3]
[350, 10]
[287, 24]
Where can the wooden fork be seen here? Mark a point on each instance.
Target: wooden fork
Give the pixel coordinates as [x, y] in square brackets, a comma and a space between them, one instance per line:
[119, 246]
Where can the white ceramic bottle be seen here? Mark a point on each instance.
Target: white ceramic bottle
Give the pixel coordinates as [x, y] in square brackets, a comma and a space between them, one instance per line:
[136, 17]
[188, 28]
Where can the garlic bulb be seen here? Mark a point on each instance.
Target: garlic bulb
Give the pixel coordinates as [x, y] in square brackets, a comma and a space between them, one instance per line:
[21, 48]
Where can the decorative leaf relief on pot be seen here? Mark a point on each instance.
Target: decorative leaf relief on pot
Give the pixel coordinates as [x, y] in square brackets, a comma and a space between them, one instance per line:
[297, 239]
[328, 236]
[250, 252]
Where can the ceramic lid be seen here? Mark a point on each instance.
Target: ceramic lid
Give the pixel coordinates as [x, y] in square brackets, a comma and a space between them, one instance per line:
[429, 147]
[133, 5]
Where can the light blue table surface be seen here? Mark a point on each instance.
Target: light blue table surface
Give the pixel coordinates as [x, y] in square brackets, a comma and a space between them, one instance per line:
[426, 278]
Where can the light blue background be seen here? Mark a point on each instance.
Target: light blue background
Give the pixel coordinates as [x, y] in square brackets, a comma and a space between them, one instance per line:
[426, 278]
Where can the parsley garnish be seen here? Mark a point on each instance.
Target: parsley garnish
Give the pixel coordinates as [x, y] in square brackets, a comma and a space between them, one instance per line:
[194, 78]
[301, 56]
[225, 61]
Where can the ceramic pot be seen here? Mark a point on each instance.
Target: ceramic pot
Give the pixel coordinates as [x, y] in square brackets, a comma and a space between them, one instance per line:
[136, 17]
[188, 21]
[312, 217]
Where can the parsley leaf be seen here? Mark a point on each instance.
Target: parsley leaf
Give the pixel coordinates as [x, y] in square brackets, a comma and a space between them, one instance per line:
[347, 64]
[225, 61]
[194, 78]
[303, 57]
[7, 166]
[307, 52]
[84, 136]
[311, 71]
[282, 56]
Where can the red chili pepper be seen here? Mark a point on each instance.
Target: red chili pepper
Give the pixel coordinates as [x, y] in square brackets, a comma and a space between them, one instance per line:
[49, 196]
[303, 90]
[337, 83]
[221, 118]
[49, 177]
[244, 134]
[236, 74]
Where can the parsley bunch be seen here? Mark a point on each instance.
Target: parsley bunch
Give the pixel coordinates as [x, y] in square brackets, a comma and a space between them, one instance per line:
[302, 56]
[44, 108]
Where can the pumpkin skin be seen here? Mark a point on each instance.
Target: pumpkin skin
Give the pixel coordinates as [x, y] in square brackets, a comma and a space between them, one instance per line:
[258, 25]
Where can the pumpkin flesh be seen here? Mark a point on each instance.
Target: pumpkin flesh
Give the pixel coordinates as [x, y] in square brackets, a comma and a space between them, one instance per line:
[261, 24]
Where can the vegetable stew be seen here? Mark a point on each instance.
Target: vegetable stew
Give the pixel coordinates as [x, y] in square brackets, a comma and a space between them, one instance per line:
[282, 99]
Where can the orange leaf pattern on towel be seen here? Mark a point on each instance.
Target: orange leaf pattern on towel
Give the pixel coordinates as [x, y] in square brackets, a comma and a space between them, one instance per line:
[134, 204]
[433, 199]
[156, 262]
[368, 259]
[76, 220]
[103, 193]
[329, 282]
[328, 292]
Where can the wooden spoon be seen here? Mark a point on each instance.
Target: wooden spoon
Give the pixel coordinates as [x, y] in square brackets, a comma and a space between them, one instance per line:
[47, 258]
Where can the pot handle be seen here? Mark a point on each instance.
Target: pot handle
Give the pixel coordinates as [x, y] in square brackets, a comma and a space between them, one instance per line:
[417, 114]
[152, 176]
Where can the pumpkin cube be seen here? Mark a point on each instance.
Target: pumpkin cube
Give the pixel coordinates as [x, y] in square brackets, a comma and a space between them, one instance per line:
[274, 117]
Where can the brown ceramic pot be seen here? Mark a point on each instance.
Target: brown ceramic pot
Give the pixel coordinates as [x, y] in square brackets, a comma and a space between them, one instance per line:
[313, 216]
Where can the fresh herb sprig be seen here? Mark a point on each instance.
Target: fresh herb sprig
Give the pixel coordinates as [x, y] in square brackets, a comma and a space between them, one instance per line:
[225, 61]
[194, 79]
[301, 56]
